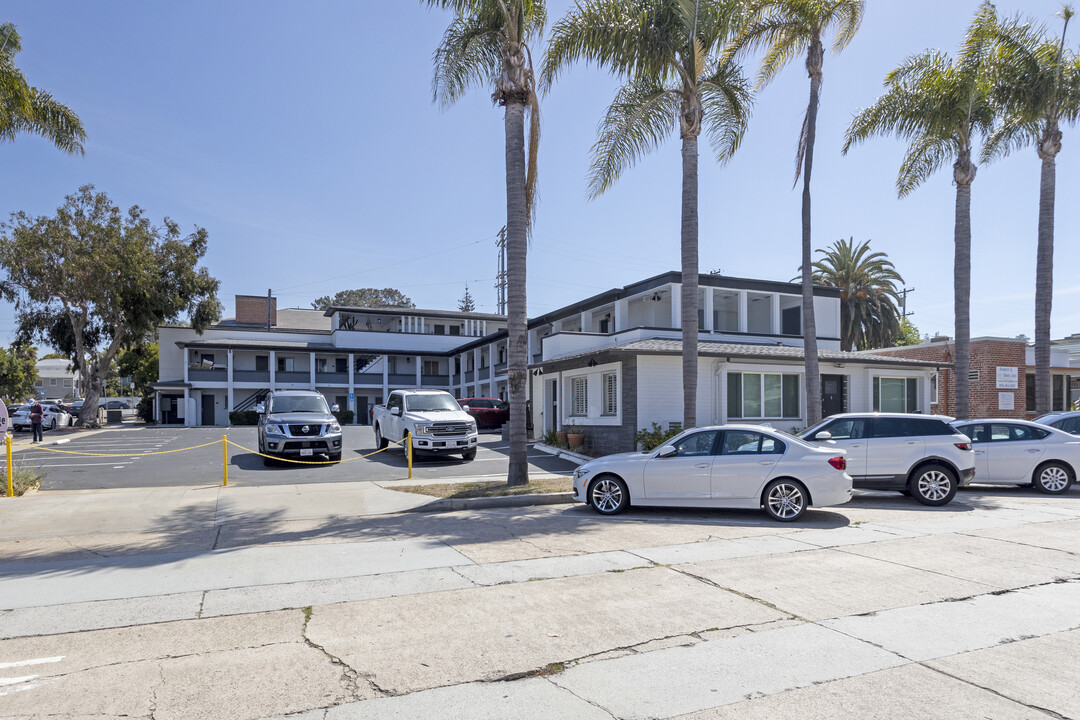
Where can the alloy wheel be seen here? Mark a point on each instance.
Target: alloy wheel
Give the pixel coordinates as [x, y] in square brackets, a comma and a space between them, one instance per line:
[786, 501]
[1054, 479]
[607, 495]
[934, 485]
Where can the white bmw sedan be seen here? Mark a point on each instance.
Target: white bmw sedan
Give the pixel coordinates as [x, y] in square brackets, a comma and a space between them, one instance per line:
[730, 466]
[1017, 452]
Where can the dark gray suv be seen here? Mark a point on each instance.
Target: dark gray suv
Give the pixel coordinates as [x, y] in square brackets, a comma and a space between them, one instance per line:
[298, 424]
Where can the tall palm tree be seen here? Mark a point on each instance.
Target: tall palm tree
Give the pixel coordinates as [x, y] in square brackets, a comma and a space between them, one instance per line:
[940, 106]
[869, 316]
[1038, 85]
[26, 109]
[487, 44]
[786, 29]
[671, 55]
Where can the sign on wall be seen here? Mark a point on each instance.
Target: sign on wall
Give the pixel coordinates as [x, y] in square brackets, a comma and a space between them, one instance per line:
[1006, 400]
[1008, 378]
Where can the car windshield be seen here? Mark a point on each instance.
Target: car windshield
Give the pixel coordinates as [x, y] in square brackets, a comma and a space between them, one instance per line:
[808, 433]
[298, 404]
[435, 402]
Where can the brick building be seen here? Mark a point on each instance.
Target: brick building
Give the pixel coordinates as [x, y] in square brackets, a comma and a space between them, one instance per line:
[1001, 372]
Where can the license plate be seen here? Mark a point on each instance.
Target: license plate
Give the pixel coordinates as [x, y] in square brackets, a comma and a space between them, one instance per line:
[306, 453]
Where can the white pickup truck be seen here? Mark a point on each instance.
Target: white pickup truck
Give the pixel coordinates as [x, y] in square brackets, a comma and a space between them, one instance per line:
[432, 419]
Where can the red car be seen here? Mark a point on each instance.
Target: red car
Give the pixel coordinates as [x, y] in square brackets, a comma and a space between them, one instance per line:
[489, 412]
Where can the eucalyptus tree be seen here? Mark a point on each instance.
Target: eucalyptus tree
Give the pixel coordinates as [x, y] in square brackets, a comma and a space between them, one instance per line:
[671, 56]
[869, 316]
[27, 109]
[487, 44]
[941, 106]
[1038, 85]
[786, 30]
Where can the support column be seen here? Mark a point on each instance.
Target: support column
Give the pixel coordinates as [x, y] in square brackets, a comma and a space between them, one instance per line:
[311, 369]
[483, 327]
[187, 361]
[586, 322]
[776, 313]
[708, 326]
[352, 389]
[676, 306]
[742, 311]
[476, 372]
[229, 375]
[273, 370]
[188, 420]
[385, 377]
[622, 314]
[419, 364]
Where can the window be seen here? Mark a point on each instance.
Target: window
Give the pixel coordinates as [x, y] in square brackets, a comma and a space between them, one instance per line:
[320, 365]
[262, 363]
[502, 355]
[750, 443]
[341, 365]
[39, 383]
[977, 433]
[611, 393]
[933, 389]
[1015, 433]
[440, 329]
[763, 395]
[726, 311]
[790, 315]
[759, 313]
[886, 427]
[697, 444]
[67, 382]
[455, 329]
[285, 364]
[1058, 385]
[848, 429]
[1029, 387]
[579, 396]
[896, 395]
[431, 367]
[52, 382]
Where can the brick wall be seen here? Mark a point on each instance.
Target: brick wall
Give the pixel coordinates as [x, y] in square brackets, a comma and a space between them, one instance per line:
[252, 309]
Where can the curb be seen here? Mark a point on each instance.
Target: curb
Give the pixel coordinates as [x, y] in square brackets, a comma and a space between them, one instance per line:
[562, 453]
[447, 504]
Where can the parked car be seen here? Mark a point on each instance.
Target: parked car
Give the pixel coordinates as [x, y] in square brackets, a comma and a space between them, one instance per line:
[731, 466]
[489, 412]
[1017, 452]
[53, 417]
[297, 424]
[1068, 420]
[431, 419]
[115, 405]
[918, 455]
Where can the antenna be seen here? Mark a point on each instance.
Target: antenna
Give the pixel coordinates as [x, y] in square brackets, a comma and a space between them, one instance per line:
[500, 277]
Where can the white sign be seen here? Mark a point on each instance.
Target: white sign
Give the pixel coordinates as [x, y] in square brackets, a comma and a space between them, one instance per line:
[1006, 400]
[1008, 378]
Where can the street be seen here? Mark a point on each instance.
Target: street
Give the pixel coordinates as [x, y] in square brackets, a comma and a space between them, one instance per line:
[233, 607]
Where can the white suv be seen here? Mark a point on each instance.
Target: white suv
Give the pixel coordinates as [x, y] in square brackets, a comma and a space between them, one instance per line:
[919, 455]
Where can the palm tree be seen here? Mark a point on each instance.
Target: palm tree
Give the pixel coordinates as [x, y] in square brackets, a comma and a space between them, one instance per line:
[940, 106]
[24, 108]
[671, 55]
[869, 316]
[487, 44]
[786, 29]
[1038, 86]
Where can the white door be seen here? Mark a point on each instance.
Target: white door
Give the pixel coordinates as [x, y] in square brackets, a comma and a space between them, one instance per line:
[1013, 453]
[980, 443]
[849, 434]
[745, 461]
[687, 474]
[895, 445]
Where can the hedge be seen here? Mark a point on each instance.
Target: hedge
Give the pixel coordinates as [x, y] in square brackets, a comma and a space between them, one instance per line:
[243, 417]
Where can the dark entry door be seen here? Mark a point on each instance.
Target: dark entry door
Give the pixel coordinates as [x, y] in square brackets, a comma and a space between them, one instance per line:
[554, 405]
[833, 394]
[207, 409]
[361, 409]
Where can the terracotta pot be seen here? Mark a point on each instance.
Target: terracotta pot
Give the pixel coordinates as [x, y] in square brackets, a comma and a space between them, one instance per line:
[561, 439]
[576, 440]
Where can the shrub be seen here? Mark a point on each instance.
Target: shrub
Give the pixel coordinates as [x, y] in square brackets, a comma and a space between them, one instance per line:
[145, 409]
[243, 417]
[652, 439]
[344, 417]
[26, 478]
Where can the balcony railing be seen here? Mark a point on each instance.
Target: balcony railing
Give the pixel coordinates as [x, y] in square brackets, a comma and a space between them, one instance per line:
[219, 374]
[332, 377]
[435, 380]
[292, 376]
[368, 378]
[251, 376]
[485, 373]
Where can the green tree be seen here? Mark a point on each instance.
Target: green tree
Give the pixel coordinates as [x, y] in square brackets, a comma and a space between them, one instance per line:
[27, 109]
[91, 280]
[487, 45]
[18, 371]
[55, 356]
[786, 30]
[1037, 82]
[869, 316]
[671, 55]
[140, 363]
[466, 303]
[909, 334]
[363, 298]
[941, 106]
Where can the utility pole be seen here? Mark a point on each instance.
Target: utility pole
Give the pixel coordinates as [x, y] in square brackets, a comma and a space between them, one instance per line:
[903, 302]
[500, 277]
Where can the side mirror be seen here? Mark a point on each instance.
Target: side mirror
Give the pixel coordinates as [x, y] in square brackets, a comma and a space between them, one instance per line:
[823, 435]
[395, 411]
[667, 451]
[335, 408]
[260, 408]
[465, 408]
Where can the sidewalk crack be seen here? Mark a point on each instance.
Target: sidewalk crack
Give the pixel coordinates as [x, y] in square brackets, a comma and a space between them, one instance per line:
[585, 700]
[1036, 708]
[733, 591]
[351, 678]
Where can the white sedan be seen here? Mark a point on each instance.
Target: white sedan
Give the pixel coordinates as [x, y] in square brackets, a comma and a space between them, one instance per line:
[730, 466]
[54, 416]
[1017, 452]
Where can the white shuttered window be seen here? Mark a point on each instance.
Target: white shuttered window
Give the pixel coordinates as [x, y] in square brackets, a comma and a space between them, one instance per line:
[580, 390]
[611, 393]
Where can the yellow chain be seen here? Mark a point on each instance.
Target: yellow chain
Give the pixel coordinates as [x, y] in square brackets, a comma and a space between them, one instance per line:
[315, 462]
[159, 452]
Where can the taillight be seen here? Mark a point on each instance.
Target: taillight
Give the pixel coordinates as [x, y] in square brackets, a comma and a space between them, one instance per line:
[838, 462]
[963, 446]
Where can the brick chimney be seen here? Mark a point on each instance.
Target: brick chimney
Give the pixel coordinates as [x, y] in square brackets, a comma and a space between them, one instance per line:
[251, 309]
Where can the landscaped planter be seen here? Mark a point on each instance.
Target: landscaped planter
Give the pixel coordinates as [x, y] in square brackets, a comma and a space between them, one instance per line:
[575, 440]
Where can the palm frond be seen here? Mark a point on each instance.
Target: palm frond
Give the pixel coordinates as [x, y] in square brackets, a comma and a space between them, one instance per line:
[924, 156]
[1012, 133]
[470, 53]
[641, 117]
[726, 100]
[55, 122]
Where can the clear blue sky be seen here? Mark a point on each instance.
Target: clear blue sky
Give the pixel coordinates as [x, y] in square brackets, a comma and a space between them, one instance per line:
[304, 138]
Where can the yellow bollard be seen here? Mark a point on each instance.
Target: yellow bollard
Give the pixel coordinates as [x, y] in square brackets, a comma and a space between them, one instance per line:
[10, 471]
[408, 451]
[225, 459]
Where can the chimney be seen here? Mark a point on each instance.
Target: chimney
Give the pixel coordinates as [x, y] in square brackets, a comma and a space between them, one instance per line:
[256, 310]
[939, 338]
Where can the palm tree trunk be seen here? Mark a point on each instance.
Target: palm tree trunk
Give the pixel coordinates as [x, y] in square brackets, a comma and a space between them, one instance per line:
[1044, 269]
[516, 326]
[962, 293]
[810, 347]
[690, 279]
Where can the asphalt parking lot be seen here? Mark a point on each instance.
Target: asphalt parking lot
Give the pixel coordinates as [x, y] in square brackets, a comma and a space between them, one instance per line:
[120, 460]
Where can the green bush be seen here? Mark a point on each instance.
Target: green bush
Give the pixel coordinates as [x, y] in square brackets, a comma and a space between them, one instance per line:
[344, 417]
[145, 409]
[25, 478]
[243, 417]
[652, 439]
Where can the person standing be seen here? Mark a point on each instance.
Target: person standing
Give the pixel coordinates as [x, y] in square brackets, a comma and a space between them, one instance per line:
[37, 414]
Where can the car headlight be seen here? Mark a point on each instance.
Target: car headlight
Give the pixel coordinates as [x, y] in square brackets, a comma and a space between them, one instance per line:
[472, 426]
[335, 427]
[581, 472]
[275, 429]
[421, 429]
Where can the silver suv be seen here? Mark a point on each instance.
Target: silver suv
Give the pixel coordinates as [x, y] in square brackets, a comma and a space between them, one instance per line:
[298, 424]
[919, 455]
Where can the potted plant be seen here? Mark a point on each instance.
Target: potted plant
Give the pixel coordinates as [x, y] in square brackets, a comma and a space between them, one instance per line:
[574, 437]
[560, 439]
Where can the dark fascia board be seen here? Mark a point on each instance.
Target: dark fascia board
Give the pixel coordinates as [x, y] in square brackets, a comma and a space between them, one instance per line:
[329, 349]
[673, 276]
[703, 332]
[254, 328]
[448, 314]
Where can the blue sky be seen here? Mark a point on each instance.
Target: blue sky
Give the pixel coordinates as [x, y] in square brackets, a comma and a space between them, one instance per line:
[304, 138]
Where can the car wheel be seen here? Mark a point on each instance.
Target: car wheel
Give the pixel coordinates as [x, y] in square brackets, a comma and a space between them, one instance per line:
[380, 441]
[1052, 478]
[785, 500]
[468, 454]
[335, 457]
[608, 495]
[53, 425]
[933, 485]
